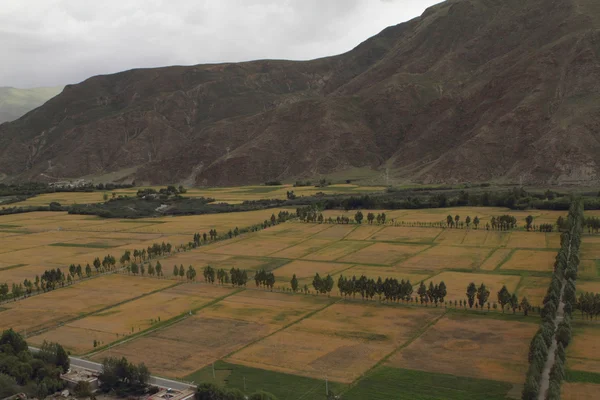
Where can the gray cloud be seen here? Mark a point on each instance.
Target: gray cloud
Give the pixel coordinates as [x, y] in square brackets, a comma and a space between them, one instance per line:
[53, 42]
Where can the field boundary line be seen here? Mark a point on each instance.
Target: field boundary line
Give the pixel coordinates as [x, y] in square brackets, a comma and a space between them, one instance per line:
[519, 285]
[346, 235]
[505, 260]
[385, 358]
[487, 258]
[162, 325]
[310, 314]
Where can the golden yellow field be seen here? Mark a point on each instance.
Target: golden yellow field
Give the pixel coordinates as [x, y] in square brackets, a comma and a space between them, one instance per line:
[534, 288]
[132, 317]
[336, 250]
[215, 331]
[282, 331]
[534, 240]
[255, 246]
[495, 259]
[302, 249]
[383, 253]
[335, 232]
[579, 391]
[449, 345]
[584, 351]
[63, 304]
[445, 257]
[401, 234]
[531, 260]
[341, 342]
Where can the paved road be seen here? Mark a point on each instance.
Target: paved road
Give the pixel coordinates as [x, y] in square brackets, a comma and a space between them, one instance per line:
[154, 380]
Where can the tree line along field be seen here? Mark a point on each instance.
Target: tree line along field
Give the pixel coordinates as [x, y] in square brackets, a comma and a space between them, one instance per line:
[181, 328]
[583, 354]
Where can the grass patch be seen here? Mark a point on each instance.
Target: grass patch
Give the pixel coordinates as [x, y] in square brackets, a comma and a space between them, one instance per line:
[387, 383]
[12, 267]
[85, 245]
[9, 226]
[363, 336]
[107, 313]
[582, 376]
[283, 386]
[141, 221]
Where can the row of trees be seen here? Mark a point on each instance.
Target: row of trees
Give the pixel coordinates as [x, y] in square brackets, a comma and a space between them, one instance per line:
[589, 305]
[265, 279]
[562, 288]
[592, 224]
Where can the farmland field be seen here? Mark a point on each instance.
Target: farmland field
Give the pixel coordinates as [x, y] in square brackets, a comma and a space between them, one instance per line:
[68, 303]
[215, 331]
[452, 341]
[255, 335]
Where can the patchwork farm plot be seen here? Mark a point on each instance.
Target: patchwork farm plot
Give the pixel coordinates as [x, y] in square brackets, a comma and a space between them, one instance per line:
[342, 341]
[59, 306]
[180, 328]
[216, 331]
[35, 242]
[131, 317]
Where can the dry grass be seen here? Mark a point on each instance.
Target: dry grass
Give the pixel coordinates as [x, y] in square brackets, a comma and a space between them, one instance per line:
[255, 246]
[335, 232]
[579, 391]
[383, 253]
[364, 232]
[585, 344]
[341, 342]
[336, 250]
[48, 309]
[588, 286]
[294, 229]
[452, 237]
[534, 288]
[457, 283]
[133, 316]
[495, 259]
[445, 257]
[308, 269]
[304, 248]
[470, 346]
[189, 345]
[527, 240]
[267, 308]
[410, 235]
[531, 260]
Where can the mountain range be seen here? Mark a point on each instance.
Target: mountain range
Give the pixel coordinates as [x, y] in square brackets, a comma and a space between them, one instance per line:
[471, 91]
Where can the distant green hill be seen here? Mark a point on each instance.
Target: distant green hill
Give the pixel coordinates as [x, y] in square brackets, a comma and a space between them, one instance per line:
[14, 103]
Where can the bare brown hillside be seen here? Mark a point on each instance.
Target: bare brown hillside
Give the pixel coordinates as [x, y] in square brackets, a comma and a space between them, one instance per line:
[473, 90]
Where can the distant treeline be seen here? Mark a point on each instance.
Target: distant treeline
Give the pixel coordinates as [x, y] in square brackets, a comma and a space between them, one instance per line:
[515, 199]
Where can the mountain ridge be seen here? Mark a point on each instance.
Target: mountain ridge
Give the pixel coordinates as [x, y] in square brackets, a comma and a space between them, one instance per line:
[473, 90]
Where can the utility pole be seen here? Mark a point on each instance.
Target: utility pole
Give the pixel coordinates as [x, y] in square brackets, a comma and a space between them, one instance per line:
[326, 386]
[213, 368]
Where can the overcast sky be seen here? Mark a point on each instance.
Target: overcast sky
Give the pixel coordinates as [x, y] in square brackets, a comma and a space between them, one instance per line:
[56, 42]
